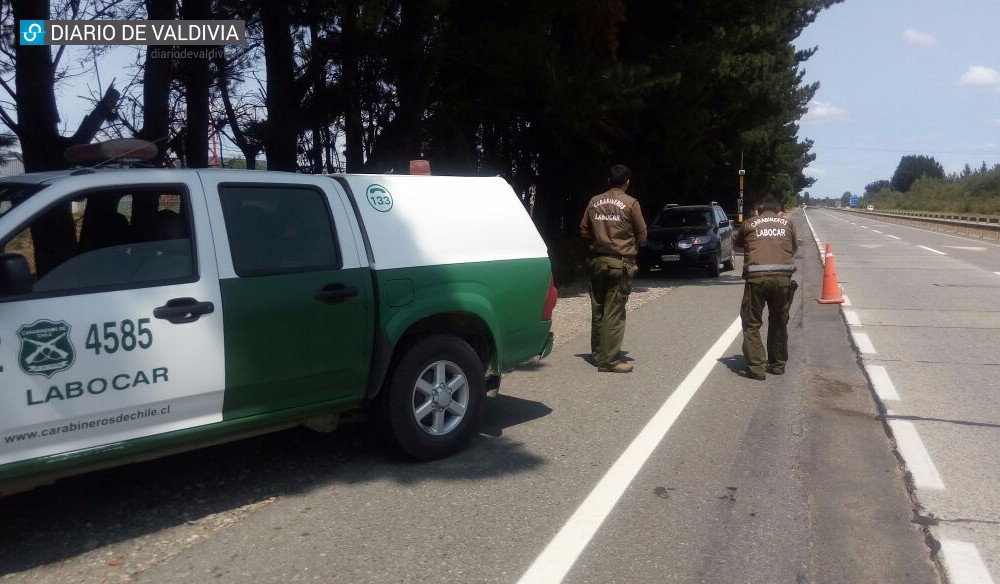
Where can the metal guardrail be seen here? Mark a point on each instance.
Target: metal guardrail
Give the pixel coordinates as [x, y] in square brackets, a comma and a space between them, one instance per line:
[958, 224]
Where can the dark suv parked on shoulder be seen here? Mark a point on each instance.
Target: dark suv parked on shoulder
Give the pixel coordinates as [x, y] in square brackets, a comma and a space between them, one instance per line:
[689, 236]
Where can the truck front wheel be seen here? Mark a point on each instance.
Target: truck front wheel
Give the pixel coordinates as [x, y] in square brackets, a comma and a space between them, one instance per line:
[435, 397]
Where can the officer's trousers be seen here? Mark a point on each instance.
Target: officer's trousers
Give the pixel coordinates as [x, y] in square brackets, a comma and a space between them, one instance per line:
[774, 292]
[610, 286]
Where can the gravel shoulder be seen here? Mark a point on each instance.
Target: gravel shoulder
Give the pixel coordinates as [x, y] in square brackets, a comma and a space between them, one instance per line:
[571, 316]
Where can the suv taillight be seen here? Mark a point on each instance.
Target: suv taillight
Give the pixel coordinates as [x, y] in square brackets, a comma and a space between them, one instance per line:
[550, 301]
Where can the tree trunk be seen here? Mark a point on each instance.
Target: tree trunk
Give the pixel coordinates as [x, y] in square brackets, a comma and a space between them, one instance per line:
[354, 154]
[37, 116]
[197, 83]
[156, 87]
[317, 111]
[282, 133]
[249, 146]
[400, 140]
[41, 144]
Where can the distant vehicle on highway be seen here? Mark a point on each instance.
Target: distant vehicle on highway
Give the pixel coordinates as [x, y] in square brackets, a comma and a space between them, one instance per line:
[871, 207]
[690, 236]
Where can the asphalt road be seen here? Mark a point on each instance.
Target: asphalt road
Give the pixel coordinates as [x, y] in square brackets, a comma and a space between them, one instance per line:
[679, 472]
[926, 308]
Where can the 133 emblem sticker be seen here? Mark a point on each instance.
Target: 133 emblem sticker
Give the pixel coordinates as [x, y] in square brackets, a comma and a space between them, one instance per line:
[45, 347]
[379, 198]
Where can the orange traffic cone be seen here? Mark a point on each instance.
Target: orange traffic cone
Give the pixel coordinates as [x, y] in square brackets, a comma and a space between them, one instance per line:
[831, 287]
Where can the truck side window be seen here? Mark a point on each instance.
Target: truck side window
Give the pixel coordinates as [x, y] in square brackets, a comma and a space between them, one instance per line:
[109, 239]
[275, 229]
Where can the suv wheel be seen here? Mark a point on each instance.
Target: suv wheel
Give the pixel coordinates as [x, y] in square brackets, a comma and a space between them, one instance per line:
[713, 268]
[730, 264]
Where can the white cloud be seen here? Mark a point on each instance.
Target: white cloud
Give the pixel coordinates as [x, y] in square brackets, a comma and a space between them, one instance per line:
[996, 121]
[915, 37]
[814, 172]
[979, 76]
[821, 111]
[989, 146]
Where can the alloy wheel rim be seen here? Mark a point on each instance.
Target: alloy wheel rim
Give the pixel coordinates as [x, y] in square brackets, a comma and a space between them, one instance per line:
[440, 398]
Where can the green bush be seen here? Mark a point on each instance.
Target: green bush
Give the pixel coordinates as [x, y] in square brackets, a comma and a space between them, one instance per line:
[975, 194]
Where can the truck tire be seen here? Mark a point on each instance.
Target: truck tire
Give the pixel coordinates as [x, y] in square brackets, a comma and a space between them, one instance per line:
[435, 398]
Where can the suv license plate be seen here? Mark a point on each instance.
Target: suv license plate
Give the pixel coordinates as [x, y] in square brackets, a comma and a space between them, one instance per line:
[671, 258]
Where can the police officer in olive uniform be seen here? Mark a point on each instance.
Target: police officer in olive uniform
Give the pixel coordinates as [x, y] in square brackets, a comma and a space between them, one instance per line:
[614, 224]
[770, 244]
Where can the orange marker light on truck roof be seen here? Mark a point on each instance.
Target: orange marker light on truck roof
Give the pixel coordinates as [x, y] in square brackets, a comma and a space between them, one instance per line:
[123, 150]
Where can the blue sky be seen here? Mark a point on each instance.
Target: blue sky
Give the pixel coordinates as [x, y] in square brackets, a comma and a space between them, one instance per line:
[901, 77]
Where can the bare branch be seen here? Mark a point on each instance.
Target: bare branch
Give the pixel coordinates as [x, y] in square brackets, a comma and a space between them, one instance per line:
[128, 125]
[93, 121]
[59, 54]
[8, 121]
[8, 88]
[7, 52]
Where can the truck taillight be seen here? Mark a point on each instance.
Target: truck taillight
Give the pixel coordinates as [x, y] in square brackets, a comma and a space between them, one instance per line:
[550, 301]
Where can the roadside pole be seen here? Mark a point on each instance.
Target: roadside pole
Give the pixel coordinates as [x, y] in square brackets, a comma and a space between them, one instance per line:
[739, 203]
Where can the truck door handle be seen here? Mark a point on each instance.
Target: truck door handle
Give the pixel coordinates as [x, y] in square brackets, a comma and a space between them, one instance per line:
[332, 293]
[182, 310]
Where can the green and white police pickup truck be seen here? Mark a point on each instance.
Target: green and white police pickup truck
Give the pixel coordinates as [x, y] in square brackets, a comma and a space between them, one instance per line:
[149, 311]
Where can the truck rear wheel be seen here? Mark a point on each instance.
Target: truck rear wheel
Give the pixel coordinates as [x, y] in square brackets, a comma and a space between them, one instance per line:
[434, 400]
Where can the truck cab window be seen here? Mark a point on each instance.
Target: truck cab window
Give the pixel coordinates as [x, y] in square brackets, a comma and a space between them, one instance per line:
[108, 239]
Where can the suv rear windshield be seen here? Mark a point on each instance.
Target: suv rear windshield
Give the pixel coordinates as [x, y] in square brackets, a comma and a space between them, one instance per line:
[13, 194]
[683, 218]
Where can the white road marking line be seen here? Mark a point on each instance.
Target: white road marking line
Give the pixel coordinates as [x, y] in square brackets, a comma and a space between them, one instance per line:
[847, 301]
[892, 236]
[884, 388]
[851, 317]
[863, 226]
[941, 233]
[918, 460]
[876, 231]
[997, 273]
[931, 249]
[555, 561]
[819, 244]
[966, 248]
[863, 342]
[963, 563]
[815, 235]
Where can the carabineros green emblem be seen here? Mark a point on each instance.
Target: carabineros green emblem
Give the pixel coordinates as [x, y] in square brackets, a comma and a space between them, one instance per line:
[46, 348]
